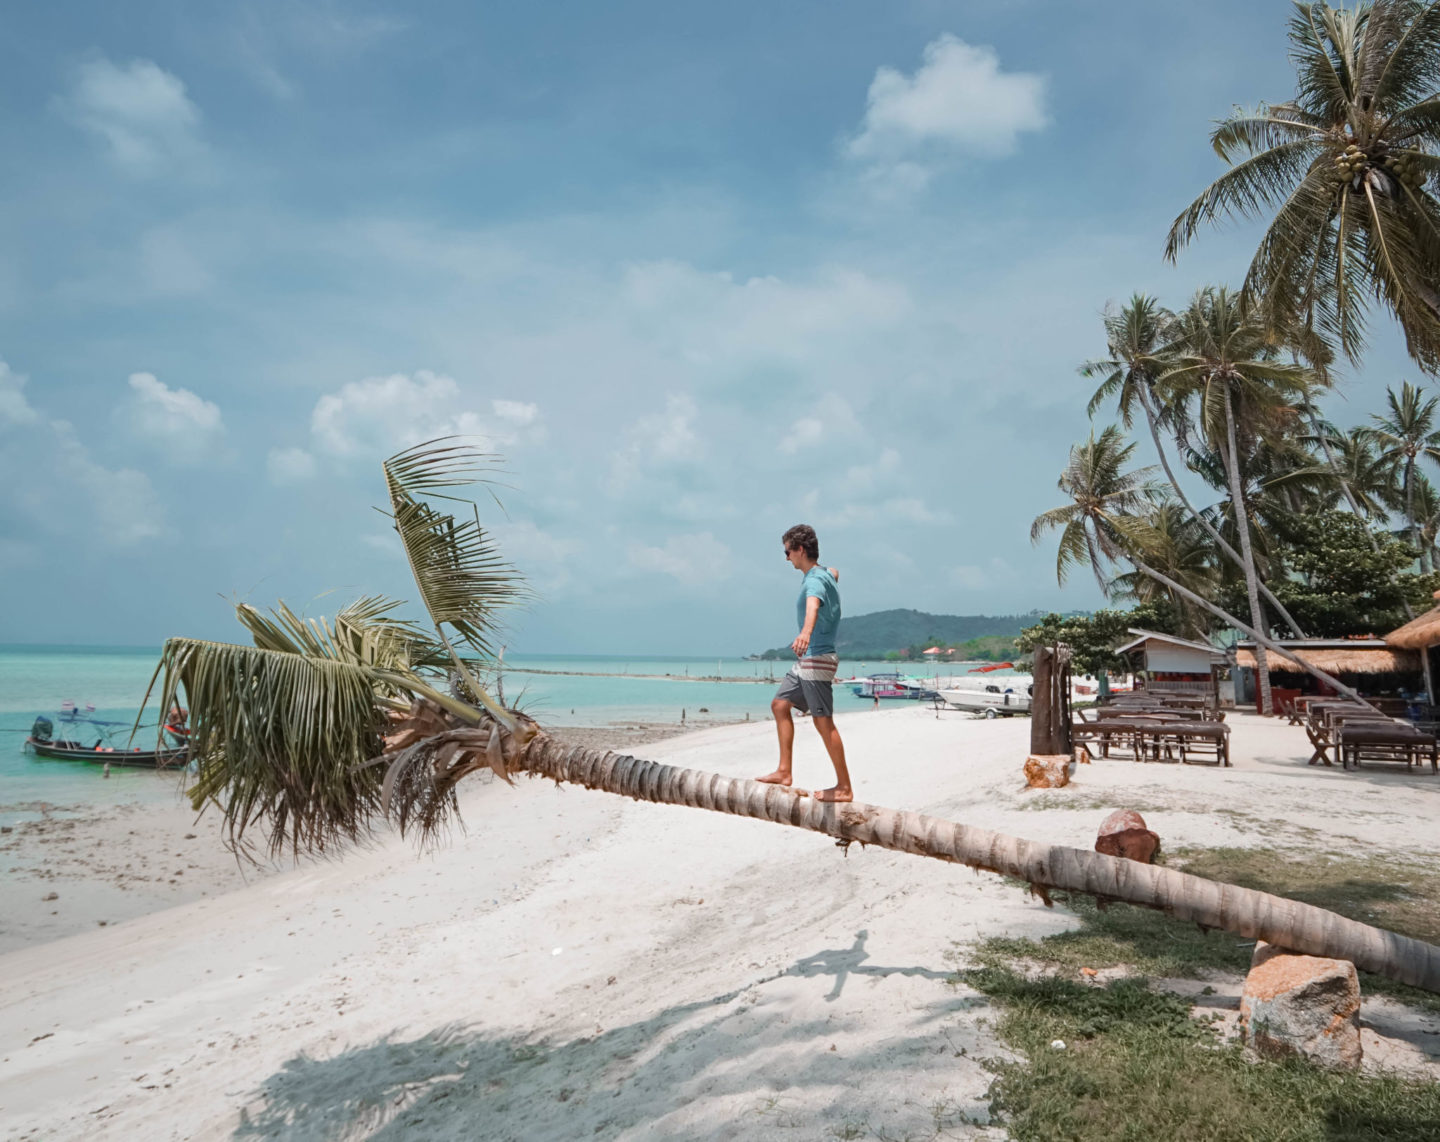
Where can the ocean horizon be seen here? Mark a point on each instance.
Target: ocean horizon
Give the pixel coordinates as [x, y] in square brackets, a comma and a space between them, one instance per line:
[564, 690]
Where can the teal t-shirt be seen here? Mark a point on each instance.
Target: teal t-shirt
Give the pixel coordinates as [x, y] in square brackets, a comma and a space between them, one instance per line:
[819, 585]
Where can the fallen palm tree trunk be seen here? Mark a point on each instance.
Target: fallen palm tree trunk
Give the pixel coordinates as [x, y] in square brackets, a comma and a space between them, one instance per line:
[1256, 915]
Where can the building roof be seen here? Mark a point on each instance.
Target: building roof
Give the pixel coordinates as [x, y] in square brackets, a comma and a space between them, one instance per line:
[1174, 640]
[1336, 655]
[1418, 633]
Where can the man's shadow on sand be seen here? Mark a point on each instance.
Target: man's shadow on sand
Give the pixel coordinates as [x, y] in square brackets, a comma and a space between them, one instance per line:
[842, 963]
[393, 1089]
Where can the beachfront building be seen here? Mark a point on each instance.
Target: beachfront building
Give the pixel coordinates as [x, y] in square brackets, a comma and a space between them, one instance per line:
[1372, 666]
[1173, 665]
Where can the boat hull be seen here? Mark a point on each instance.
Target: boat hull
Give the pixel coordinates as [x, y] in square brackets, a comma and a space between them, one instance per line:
[137, 758]
[984, 702]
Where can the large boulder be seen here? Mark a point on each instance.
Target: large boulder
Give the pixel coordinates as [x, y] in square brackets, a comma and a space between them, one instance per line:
[1123, 834]
[1302, 1005]
[1047, 770]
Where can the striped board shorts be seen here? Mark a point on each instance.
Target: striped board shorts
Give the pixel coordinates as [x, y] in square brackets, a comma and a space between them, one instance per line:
[807, 685]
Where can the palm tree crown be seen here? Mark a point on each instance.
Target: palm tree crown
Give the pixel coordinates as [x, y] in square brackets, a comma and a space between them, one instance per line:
[1347, 167]
[1106, 502]
[1403, 436]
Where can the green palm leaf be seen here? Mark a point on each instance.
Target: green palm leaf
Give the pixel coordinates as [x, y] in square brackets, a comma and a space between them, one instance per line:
[462, 579]
[1345, 169]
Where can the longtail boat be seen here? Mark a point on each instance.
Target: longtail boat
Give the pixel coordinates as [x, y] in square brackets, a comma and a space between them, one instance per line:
[77, 727]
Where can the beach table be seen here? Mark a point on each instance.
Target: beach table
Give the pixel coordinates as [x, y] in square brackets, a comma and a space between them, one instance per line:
[1109, 732]
[1394, 743]
[1109, 714]
[1156, 738]
[1202, 739]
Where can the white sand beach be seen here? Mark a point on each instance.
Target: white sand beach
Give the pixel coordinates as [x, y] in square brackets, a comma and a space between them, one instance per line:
[578, 965]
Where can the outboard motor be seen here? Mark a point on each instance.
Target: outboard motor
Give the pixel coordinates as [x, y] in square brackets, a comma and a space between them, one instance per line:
[43, 730]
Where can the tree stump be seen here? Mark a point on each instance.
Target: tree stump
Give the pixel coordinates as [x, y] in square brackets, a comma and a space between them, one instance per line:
[1123, 834]
[1047, 771]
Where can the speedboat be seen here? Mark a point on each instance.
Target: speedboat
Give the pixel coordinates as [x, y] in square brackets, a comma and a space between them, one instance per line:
[996, 699]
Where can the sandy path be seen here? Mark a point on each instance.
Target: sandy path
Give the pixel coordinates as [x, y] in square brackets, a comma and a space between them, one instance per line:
[582, 966]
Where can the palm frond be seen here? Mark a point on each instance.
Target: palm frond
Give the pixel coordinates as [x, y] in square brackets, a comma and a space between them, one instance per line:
[1246, 189]
[1321, 46]
[1408, 53]
[1249, 132]
[462, 579]
[279, 739]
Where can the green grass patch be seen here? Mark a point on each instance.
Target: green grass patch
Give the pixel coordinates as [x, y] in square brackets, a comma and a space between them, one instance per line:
[1137, 1064]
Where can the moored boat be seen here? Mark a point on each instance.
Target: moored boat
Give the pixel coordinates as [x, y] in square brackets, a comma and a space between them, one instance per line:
[890, 684]
[991, 699]
[77, 727]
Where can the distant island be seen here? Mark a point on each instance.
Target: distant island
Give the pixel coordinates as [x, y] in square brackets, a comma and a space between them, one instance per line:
[907, 634]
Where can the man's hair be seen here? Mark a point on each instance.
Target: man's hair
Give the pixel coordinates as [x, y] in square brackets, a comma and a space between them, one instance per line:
[802, 535]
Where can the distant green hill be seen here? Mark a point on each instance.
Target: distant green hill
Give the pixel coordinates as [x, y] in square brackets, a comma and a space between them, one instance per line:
[887, 632]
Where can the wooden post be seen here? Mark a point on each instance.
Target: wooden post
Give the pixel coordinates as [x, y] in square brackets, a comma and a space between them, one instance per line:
[1050, 705]
[1042, 709]
[1061, 675]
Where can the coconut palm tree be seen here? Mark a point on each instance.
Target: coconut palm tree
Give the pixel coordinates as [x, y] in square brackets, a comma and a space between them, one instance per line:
[1350, 472]
[1223, 361]
[1426, 523]
[1097, 522]
[1345, 171]
[1104, 508]
[319, 730]
[1136, 336]
[1404, 436]
[1173, 542]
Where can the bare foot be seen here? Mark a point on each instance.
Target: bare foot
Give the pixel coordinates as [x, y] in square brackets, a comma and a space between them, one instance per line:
[779, 777]
[835, 793]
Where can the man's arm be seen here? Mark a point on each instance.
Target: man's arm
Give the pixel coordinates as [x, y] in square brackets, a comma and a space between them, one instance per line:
[802, 640]
[834, 573]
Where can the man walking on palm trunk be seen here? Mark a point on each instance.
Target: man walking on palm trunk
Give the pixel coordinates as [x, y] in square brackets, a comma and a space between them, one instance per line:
[808, 685]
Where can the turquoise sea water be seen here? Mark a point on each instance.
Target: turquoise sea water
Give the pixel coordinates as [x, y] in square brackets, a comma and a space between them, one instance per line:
[593, 691]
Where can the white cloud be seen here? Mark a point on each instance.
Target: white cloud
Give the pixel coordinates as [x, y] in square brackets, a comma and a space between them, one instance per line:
[658, 439]
[183, 426]
[123, 505]
[716, 319]
[520, 413]
[803, 433]
[542, 556]
[141, 112]
[957, 104]
[289, 466]
[48, 476]
[376, 416]
[14, 408]
[690, 558]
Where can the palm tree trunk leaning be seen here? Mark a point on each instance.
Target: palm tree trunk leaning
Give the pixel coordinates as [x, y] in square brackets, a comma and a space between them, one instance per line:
[1242, 528]
[1235, 557]
[1254, 915]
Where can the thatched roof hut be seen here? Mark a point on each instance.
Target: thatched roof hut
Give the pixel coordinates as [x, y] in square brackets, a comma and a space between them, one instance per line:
[1418, 633]
[1337, 655]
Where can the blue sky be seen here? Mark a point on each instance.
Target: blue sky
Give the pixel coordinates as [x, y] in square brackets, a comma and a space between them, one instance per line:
[698, 272]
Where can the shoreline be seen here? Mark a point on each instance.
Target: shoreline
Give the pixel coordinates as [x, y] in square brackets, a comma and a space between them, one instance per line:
[79, 867]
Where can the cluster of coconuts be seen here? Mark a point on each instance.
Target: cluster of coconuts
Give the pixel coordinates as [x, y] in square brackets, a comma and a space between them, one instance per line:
[1352, 163]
